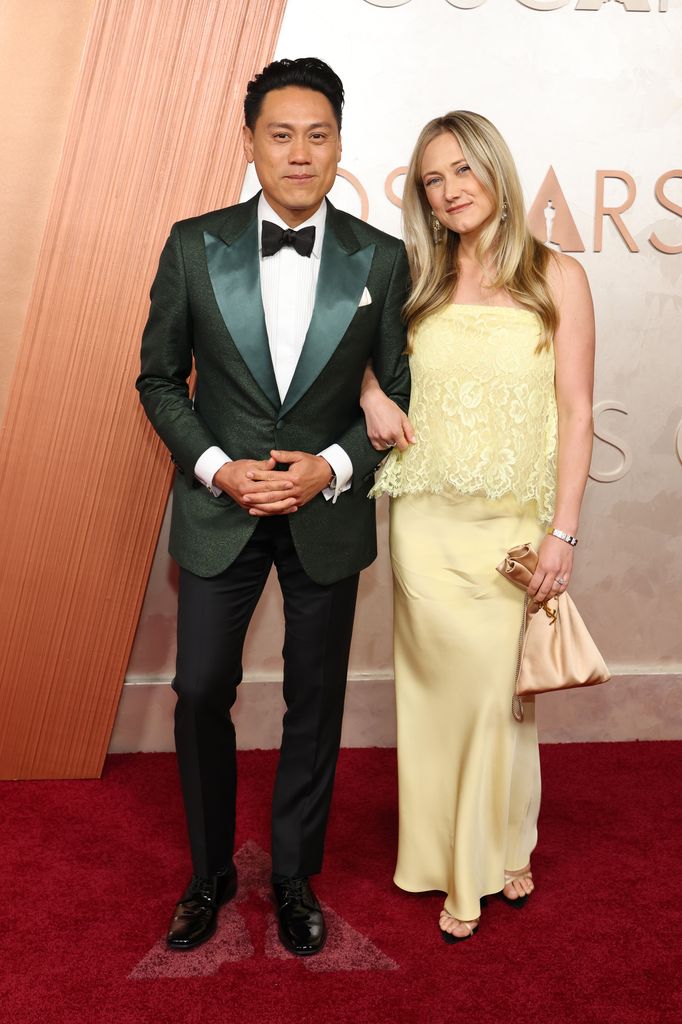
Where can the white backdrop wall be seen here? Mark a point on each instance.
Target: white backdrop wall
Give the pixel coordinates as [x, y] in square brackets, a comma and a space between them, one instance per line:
[591, 90]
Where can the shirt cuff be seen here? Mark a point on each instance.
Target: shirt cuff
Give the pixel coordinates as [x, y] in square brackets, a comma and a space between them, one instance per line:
[207, 465]
[342, 469]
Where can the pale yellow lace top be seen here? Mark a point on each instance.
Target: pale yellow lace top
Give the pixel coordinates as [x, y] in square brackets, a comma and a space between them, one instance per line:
[483, 407]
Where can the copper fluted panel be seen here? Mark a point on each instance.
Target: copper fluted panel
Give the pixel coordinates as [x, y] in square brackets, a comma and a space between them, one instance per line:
[154, 136]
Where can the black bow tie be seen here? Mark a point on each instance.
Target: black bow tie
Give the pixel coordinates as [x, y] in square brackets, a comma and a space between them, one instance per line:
[274, 237]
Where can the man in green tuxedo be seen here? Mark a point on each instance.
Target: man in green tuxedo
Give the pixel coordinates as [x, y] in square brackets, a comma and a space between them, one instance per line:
[281, 302]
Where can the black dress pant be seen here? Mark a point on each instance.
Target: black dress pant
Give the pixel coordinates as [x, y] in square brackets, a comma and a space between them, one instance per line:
[213, 617]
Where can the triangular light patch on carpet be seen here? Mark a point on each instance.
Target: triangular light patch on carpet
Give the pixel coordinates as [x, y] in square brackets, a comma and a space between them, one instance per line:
[253, 871]
[346, 949]
[230, 943]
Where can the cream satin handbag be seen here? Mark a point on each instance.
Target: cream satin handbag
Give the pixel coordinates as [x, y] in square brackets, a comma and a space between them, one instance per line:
[556, 651]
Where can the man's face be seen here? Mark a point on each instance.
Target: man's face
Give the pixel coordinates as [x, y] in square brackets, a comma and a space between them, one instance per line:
[296, 147]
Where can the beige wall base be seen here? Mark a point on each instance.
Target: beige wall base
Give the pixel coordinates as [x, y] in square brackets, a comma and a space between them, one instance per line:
[630, 707]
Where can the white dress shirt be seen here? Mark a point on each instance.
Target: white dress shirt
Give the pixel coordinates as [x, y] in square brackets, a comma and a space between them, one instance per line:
[288, 283]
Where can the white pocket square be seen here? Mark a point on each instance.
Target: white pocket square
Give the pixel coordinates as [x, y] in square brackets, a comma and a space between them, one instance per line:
[365, 299]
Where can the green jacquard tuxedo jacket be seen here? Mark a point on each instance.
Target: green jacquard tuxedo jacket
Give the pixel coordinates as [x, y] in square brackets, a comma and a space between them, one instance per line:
[206, 306]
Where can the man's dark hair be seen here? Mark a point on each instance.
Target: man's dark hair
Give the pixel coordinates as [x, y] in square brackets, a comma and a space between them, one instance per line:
[305, 72]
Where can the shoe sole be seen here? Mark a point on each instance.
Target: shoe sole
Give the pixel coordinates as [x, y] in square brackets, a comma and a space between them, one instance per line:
[452, 939]
[187, 947]
[300, 952]
[517, 904]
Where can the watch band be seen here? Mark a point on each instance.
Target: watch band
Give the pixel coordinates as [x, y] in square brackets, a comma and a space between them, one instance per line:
[562, 535]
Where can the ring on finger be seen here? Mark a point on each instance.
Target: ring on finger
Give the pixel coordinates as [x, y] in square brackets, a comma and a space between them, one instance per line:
[560, 580]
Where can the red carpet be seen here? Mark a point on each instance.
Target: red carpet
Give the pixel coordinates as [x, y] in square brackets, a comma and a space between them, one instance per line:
[92, 870]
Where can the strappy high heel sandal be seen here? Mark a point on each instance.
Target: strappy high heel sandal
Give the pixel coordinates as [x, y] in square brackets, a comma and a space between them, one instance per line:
[452, 939]
[509, 876]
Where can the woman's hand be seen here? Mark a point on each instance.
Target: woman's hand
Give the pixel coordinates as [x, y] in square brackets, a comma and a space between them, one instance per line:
[555, 564]
[387, 424]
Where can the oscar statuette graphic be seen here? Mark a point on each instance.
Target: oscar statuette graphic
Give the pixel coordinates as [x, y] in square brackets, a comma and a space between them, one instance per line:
[550, 214]
[550, 218]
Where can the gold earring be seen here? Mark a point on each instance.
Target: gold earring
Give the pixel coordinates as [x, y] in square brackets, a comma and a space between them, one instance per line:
[505, 212]
[435, 228]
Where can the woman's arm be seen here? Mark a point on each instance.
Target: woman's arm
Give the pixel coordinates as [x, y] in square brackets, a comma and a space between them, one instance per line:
[574, 354]
[387, 424]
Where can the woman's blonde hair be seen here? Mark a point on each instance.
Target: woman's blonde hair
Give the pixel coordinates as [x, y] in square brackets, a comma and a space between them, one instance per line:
[518, 260]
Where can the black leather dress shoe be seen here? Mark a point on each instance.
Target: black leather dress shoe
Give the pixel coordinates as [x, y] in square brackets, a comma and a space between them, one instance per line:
[301, 925]
[194, 920]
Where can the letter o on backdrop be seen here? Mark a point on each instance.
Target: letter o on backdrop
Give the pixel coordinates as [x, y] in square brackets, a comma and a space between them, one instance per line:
[388, 187]
[544, 5]
[359, 188]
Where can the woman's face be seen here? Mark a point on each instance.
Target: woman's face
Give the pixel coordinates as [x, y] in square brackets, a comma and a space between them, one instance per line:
[454, 193]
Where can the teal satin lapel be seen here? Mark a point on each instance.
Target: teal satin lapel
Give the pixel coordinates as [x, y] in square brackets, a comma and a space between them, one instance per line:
[233, 270]
[340, 285]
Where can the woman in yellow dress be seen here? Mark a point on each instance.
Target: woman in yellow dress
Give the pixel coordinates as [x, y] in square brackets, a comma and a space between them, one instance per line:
[501, 341]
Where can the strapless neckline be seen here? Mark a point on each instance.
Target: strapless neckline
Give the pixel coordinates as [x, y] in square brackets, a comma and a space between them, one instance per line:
[493, 309]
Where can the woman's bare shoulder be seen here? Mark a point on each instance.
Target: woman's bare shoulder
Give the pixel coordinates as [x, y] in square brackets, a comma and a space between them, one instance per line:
[567, 277]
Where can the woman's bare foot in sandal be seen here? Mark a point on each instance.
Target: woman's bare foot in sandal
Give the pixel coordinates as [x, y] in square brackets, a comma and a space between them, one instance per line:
[454, 930]
[518, 885]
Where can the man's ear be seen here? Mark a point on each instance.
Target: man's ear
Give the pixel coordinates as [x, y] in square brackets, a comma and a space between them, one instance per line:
[247, 141]
[339, 149]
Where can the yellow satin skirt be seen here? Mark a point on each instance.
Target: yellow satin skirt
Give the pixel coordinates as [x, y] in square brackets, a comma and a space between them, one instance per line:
[469, 774]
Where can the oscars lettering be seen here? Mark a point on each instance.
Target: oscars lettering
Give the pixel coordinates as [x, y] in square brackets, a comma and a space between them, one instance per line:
[614, 212]
[632, 6]
[625, 462]
[551, 221]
